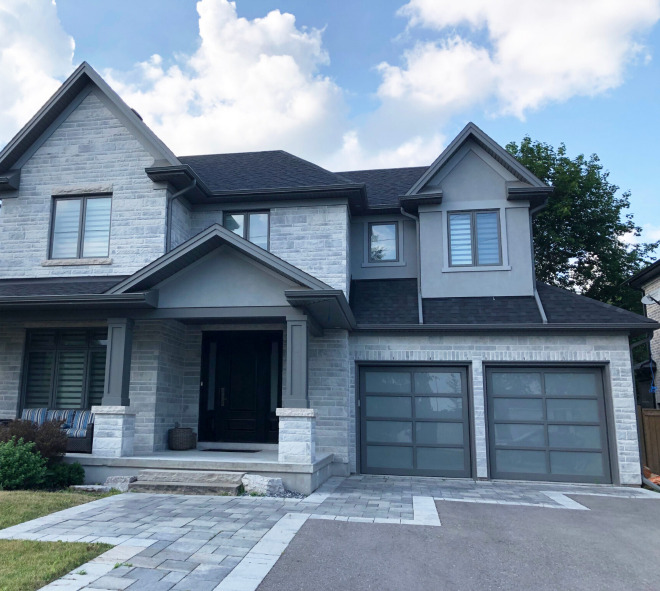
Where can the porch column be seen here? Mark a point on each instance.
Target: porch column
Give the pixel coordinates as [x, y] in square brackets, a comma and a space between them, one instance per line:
[297, 336]
[118, 362]
[114, 421]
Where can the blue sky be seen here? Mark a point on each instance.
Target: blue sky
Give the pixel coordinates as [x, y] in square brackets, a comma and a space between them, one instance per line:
[361, 84]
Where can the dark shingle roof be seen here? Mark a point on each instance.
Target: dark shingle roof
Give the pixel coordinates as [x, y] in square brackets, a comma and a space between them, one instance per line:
[563, 306]
[480, 310]
[384, 301]
[394, 301]
[58, 286]
[247, 171]
[385, 186]
[647, 274]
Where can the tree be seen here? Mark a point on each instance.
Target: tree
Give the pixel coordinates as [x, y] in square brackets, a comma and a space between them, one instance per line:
[580, 238]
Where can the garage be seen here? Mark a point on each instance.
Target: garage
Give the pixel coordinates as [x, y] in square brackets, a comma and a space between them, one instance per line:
[547, 424]
[414, 421]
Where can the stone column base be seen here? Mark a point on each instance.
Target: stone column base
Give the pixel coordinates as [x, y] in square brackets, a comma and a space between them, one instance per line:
[114, 431]
[297, 439]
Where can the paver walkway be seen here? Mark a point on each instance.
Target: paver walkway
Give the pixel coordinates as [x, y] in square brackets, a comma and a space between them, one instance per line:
[200, 543]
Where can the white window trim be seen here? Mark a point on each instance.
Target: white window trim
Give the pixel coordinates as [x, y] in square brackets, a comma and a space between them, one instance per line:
[366, 263]
[446, 266]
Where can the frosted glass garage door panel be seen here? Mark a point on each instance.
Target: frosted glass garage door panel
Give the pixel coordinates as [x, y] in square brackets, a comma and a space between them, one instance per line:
[389, 432]
[428, 382]
[388, 382]
[439, 433]
[397, 407]
[389, 457]
[576, 463]
[435, 407]
[520, 435]
[580, 436]
[516, 384]
[440, 458]
[520, 461]
[571, 384]
[517, 409]
[577, 411]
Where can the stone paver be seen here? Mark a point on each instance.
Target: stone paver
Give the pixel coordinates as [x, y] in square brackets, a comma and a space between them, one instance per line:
[176, 542]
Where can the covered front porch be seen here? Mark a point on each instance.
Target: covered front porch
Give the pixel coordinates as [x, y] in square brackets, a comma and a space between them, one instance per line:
[218, 336]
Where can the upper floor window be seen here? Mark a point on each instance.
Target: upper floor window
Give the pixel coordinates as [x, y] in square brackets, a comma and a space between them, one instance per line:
[80, 228]
[383, 242]
[474, 238]
[251, 226]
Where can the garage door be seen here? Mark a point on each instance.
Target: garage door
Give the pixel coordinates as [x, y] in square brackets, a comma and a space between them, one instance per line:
[414, 421]
[547, 424]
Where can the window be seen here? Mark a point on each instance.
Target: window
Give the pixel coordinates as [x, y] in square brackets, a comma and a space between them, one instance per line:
[251, 226]
[474, 239]
[383, 242]
[80, 228]
[65, 368]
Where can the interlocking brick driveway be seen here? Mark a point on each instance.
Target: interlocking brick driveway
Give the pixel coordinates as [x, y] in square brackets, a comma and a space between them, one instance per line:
[171, 542]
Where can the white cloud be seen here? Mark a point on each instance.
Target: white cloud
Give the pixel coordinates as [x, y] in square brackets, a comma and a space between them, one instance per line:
[35, 54]
[251, 85]
[530, 53]
[650, 233]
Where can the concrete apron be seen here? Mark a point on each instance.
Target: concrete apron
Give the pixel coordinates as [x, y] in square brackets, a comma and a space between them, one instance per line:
[298, 477]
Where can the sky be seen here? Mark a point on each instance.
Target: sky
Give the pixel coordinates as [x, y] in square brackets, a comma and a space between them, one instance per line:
[359, 84]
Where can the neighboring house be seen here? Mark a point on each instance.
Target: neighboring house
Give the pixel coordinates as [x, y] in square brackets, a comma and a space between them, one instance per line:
[376, 321]
[648, 282]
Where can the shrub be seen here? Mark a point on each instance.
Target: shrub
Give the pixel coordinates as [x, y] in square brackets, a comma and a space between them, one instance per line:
[20, 466]
[49, 440]
[61, 475]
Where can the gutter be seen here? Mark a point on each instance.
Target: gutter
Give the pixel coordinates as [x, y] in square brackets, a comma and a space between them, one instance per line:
[420, 310]
[147, 298]
[518, 327]
[170, 203]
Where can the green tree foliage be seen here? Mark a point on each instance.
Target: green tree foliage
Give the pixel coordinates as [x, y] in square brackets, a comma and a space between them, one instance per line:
[579, 238]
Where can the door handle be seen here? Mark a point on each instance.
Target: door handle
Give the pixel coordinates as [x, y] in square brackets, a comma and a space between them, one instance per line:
[222, 396]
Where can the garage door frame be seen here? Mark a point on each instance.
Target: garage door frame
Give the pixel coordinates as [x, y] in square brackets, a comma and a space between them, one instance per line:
[609, 430]
[464, 366]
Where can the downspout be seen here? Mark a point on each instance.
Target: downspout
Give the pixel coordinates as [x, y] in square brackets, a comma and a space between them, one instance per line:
[537, 298]
[420, 312]
[170, 203]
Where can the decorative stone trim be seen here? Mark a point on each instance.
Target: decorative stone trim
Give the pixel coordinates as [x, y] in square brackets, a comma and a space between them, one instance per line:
[74, 262]
[82, 189]
[295, 412]
[114, 431]
[297, 438]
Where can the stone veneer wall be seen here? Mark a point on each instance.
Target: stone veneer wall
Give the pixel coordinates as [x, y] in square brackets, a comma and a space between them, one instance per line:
[12, 346]
[328, 393]
[478, 350]
[90, 149]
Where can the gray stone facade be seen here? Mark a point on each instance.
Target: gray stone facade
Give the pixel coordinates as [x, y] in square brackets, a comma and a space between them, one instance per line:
[478, 351]
[12, 344]
[90, 151]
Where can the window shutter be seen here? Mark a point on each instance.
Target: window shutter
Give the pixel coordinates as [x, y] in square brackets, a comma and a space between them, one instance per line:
[38, 380]
[488, 243]
[97, 227]
[70, 379]
[461, 238]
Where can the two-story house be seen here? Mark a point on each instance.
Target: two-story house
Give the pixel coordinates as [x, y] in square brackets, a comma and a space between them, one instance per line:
[375, 321]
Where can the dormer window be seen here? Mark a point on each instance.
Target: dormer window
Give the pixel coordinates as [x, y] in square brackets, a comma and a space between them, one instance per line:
[474, 239]
[253, 226]
[383, 242]
[81, 227]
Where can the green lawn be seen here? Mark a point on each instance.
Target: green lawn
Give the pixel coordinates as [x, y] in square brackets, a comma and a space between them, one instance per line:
[27, 565]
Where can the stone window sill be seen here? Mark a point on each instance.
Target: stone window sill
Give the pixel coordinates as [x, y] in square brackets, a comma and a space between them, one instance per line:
[75, 262]
[476, 269]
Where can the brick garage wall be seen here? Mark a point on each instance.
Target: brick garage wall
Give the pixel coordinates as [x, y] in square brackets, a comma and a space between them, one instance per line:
[91, 148]
[328, 393]
[12, 346]
[478, 350]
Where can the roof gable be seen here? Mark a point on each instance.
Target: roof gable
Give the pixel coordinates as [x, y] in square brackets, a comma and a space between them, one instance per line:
[201, 245]
[60, 105]
[471, 131]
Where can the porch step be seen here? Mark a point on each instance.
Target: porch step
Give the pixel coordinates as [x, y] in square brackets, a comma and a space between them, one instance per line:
[192, 482]
[185, 488]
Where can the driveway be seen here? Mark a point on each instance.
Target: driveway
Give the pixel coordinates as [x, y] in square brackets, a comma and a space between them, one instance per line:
[613, 546]
[365, 532]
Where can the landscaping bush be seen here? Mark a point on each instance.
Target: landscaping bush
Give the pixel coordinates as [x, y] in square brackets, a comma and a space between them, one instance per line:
[49, 440]
[20, 465]
[61, 475]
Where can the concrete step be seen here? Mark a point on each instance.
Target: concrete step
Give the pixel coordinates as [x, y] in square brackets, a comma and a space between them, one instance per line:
[191, 477]
[185, 488]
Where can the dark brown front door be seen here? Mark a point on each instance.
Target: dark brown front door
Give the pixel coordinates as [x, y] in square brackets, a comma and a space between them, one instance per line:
[240, 386]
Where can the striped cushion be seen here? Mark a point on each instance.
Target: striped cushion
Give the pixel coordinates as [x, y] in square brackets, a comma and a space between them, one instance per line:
[81, 419]
[61, 415]
[76, 432]
[36, 415]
